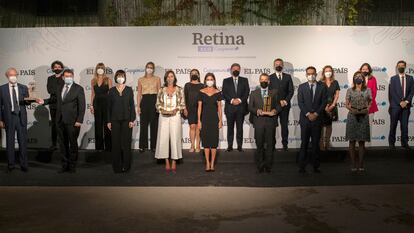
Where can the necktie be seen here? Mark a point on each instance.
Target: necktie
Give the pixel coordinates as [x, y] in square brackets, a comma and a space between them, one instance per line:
[66, 92]
[235, 84]
[263, 93]
[403, 85]
[15, 102]
[311, 89]
[279, 77]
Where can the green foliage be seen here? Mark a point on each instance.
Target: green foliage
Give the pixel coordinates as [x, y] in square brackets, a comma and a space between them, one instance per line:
[351, 9]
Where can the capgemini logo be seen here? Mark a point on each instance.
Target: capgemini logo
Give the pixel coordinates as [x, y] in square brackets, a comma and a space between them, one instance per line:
[380, 69]
[379, 138]
[345, 86]
[382, 103]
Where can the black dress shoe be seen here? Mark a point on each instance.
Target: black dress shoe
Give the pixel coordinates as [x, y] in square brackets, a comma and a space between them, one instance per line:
[229, 149]
[285, 147]
[63, 170]
[141, 150]
[392, 147]
[316, 170]
[152, 150]
[24, 169]
[267, 170]
[260, 170]
[240, 149]
[407, 147]
[10, 169]
[302, 170]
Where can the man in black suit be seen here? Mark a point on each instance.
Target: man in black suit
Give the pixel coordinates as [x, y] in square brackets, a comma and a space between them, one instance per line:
[53, 82]
[264, 122]
[13, 118]
[311, 101]
[70, 103]
[235, 92]
[284, 84]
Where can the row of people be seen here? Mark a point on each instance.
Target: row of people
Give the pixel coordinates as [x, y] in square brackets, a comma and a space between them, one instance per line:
[161, 108]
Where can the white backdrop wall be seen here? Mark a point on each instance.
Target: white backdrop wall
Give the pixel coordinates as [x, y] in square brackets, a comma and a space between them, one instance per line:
[209, 49]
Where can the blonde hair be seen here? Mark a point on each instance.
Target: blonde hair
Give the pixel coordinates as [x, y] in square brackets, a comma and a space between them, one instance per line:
[100, 65]
[323, 78]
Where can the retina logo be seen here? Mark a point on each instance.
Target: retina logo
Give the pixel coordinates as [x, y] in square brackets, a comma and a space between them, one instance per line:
[379, 69]
[217, 39]
[256, 71]
[341, 70]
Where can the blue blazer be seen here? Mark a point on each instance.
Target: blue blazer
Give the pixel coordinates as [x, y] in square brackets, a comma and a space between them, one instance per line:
[395, 93]
[305, 102]
[243, 91]
[6, 107]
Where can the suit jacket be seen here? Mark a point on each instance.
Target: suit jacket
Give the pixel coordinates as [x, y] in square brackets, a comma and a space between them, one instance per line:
[6, 106]
[229, 93]
[256, 102]
[307, 105]
[72, 108]
[285, 86]
[395, 93]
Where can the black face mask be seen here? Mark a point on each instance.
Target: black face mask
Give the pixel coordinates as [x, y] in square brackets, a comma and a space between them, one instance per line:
[358, 81]
[236, 73]
[401, 70]
[194, 77]
[57, 71]
[264, 84]
[365, 74]
[278, 68]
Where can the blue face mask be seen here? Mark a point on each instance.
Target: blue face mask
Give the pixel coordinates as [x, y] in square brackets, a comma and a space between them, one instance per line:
[68, 80]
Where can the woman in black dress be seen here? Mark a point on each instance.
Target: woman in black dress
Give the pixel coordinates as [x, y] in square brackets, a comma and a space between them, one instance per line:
[99, 99]
[191, 92]
[121, 117]
[210, 118]
[331, 110]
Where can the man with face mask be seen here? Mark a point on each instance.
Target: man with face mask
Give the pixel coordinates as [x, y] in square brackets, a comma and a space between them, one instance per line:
[264, 122]
[13, 118]
[284, 84]
[400, 95]
[53, 82]
[70, 110]
[311, 101]
[235, 92]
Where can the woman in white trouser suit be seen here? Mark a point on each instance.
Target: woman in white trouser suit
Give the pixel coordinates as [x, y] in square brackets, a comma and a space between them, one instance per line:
[170, 103]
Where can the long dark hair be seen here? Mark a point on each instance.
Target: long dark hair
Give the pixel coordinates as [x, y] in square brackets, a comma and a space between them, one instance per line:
[368, 66]
[198, 72]
[364, 85]
[214, 78]
[165, 78]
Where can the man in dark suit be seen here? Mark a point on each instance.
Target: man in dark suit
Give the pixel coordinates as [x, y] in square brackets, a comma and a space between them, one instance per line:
[13, 118]
[264, 122]
[311, 101]
[284, 84]
[70, 103]
[53, 82]
[400, 95]
[235, 92]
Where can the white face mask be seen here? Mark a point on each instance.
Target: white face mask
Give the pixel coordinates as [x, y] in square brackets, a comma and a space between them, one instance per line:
[210, 83]
[13, 79]
[149, 70]
[311, 78]
[100, 71]
[120, 80]
[328, 74]
[68, 80]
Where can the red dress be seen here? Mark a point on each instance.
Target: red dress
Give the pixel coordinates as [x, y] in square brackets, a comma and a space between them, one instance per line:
[372, 84]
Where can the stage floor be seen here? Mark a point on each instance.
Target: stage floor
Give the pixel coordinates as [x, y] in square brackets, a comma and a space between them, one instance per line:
[233, 169]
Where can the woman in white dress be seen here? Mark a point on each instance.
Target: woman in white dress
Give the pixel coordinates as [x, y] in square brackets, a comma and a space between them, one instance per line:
[170, 103]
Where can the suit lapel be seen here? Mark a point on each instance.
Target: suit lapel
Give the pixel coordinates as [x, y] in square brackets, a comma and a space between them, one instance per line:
[70, 92]
[7, 91]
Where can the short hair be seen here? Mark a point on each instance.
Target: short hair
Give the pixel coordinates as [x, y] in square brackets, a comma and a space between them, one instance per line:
[368, 66]
[234, 64]
[402, 61]
[166, 75]
[7, 71]
[57, 62]
[278, 59]
[263, 74]
[68, 71]
[310, 67]
[118, 73]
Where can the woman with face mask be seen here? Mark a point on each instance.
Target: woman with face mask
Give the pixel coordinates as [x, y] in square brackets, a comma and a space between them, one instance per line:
[331, 110]
[121, 118]
[210, 119]
[148, 86]
[191, 92]
[371, 82]
[170, 104]
[358, 101]
[100, 84]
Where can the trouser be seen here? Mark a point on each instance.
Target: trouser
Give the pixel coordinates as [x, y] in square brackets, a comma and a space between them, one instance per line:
[15, 126]
[148, 117]
[121, 145]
